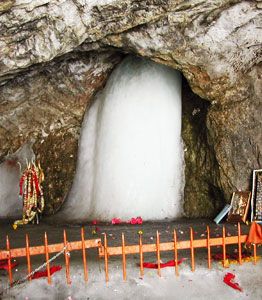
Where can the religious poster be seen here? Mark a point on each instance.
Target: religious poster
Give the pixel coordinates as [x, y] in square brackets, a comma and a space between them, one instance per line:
[239, 206]
[256, 203]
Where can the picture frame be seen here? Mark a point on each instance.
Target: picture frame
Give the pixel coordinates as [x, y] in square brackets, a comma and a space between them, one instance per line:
[256, 200]
[239, 207]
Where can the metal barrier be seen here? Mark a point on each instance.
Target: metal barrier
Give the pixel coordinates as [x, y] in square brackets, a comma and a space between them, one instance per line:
[105, 251]
[65, 247]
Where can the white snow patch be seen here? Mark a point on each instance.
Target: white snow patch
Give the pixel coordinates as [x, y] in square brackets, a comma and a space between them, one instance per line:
[202, 284]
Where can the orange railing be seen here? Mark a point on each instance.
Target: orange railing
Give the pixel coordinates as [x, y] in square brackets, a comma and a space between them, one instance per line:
[175, 245]
[105, 251]
[66, 247]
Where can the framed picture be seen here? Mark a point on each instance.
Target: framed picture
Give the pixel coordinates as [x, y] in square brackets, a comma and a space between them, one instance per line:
[239, 207]
[256, 201]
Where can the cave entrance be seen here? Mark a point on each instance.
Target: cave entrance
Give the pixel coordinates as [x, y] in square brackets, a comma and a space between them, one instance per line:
[130, 160]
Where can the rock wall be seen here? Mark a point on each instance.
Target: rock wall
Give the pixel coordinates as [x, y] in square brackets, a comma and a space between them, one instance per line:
[204, 195]
[215, 44]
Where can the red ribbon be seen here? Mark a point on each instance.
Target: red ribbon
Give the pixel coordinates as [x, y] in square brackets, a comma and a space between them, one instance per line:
[170, 263]
[44, 273]
[228, 279]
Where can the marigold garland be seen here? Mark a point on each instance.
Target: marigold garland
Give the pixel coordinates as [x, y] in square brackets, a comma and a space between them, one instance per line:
[31, 193]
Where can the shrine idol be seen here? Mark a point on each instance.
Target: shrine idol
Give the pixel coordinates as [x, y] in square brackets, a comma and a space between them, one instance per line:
[31, 194]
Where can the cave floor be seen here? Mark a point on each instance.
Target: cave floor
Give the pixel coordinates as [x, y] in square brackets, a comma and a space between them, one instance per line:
[189, 285]
[165, 228]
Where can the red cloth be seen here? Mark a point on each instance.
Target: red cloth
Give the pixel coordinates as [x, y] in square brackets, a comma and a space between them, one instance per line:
[228, 279]
[255, 234]
[4, 264]
[170, 263]
[44, 273]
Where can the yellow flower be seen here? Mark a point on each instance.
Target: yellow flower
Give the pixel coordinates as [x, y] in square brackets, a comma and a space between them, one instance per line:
[14, 226]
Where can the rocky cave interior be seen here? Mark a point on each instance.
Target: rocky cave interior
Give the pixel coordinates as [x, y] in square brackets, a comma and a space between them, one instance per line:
[43, 98]
[208, 198]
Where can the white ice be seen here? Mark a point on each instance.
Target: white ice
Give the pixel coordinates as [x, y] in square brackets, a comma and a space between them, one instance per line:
[130, 160]
[9, 190]
[10, 204]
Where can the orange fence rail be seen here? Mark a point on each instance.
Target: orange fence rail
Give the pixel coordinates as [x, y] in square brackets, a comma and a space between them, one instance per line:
[66, 247]
[105, 251]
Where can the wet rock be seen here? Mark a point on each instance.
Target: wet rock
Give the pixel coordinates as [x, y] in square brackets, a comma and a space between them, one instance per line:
[202, 194]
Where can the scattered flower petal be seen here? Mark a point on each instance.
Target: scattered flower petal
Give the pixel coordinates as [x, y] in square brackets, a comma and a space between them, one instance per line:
[116, 221]
[229, 280]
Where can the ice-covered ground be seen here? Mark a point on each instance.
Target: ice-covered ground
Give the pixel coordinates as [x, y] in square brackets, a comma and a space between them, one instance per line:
[202, 284]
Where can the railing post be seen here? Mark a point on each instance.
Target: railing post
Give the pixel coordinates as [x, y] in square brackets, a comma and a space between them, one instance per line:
[106, 257]
[141, 255]
[9, 261]
[47, 259]
[158, 253]
[67, 259]
[28, 256]
[255, 253]
[224, 245]
[192, 249]
[124, 256]
[239, 244]
[175, 253]
[208, 248]
[84, 253]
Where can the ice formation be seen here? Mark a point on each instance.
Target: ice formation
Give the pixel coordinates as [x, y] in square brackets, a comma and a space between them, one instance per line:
[10, 204]
[9, 189]
[130, 160]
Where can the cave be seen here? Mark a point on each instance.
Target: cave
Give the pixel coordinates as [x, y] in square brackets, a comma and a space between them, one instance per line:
[52, 75]
[134, 123]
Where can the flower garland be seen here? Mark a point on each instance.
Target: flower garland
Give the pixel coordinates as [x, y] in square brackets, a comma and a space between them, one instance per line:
[31, 193]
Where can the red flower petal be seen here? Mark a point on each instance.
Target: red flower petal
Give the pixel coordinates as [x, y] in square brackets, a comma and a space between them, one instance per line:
[228, 279]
